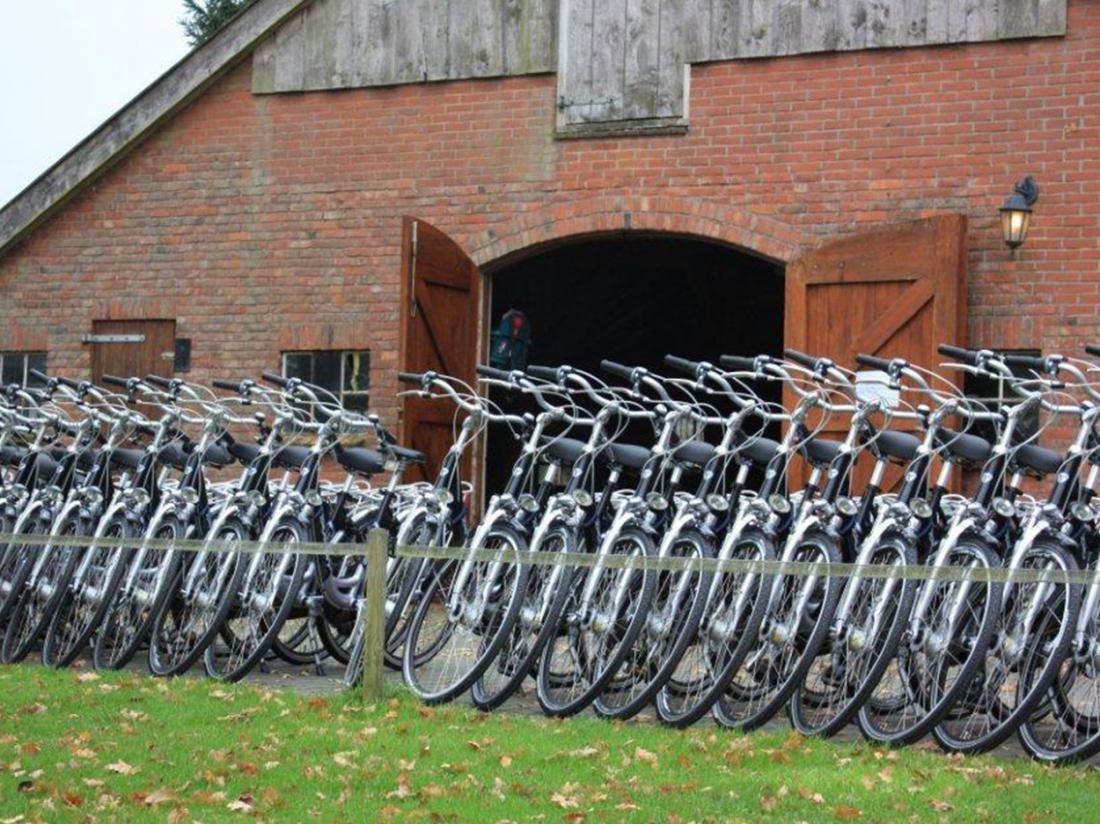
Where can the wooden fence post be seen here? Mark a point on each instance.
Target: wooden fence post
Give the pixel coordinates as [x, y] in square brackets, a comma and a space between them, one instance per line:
[375, 631]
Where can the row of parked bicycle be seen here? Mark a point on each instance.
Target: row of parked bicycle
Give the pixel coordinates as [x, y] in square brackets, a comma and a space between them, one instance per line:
[968, 618]
[969, 657]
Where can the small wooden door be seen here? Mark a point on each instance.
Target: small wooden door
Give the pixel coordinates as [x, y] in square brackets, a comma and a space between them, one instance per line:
[894, 291]
[138, 348]
[440, 299]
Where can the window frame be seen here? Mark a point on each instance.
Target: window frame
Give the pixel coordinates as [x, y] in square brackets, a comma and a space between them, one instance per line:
[340, 392]
[26, 355]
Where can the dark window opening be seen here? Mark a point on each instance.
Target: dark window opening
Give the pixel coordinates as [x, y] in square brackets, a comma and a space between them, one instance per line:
[346, 374]
[635, 300]
[15, 367]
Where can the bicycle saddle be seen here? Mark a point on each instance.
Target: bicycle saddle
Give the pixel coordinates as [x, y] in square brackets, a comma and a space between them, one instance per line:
[761, 451]
[565, 450]
[292, 457]
[967, 448]
[820, 452]
[693, 452]
[408, 456]
[900, 445]
[362, 460]
[1038, 459]
[628, 456]
[128, 458]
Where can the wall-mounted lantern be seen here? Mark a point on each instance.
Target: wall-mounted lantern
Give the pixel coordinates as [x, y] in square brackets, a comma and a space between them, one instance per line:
[1016, 213]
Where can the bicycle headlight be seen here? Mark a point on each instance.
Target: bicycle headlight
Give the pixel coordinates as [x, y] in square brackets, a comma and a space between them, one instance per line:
[921, 508]
[1004, 507]
[313, 498]
[582, 498]
[846, 506]
[717, 503]
[656, 501]
[189, 495]
[528, 503]
[256, 498]
[1083, 511]
[779, 504]
[444, 497]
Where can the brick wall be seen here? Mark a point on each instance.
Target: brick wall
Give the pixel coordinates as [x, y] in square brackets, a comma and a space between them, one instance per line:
[268, 223]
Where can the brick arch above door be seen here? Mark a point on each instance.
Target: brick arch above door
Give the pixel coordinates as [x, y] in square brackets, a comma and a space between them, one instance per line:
[759, 234]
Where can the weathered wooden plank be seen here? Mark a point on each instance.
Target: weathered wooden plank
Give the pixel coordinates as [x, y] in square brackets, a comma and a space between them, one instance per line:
[575, 56]
[320, 23]
[1052, 17]
[474, 37]
[604, 95]
[1018, 17]
[347, 45]
[957, 20]
[380, 38]
[640, 83]
[820, 28]
[725, 22]
[410, 43]
[290, 67]
[787, 24]
[914, 22]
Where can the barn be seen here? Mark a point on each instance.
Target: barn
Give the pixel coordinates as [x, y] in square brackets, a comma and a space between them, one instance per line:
[343, 188]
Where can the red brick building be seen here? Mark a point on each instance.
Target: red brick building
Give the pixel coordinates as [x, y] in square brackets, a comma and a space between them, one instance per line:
[252, 200]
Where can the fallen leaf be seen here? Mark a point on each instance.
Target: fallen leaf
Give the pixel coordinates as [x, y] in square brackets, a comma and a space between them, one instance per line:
[506, 761]
[847, 813]
[156, 797]
[646, 755]
[564, 801]
[122, 768]
[86, 677]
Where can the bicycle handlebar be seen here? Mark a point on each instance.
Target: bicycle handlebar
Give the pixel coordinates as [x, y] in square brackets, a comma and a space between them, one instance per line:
[1037, 364]
[617, 369]
[874, 362]
[801, 358]
[494, 373]
[232, 386]
[277, 380]
[738, 362]
[157, 380]
[683, 364]
[112, 380]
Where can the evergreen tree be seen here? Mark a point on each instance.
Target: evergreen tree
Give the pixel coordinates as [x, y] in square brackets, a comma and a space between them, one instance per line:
[202, 19]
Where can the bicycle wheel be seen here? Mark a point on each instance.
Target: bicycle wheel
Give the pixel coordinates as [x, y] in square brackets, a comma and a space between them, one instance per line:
[93, 587]
[190, 620]
[936, 664]
[271, 586]
[149, 579]
[593, 639]
[671, 625]
[790, 638]
[1020, 663]
[735, 608]
[543, 598]
[838, 683]
[1065, 727]
[463, 620]
[16, 562]
[44, 589]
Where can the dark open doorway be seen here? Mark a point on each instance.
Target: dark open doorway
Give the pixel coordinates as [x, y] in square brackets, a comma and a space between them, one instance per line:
[634, 299]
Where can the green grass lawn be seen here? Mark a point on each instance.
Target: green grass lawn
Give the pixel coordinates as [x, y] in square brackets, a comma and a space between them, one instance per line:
[83, 747]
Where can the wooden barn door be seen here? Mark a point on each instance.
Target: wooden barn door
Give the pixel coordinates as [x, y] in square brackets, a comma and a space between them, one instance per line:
[440, 299]
[894, 291]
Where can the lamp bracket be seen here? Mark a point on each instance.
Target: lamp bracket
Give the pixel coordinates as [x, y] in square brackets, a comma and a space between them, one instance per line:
[1028, 189]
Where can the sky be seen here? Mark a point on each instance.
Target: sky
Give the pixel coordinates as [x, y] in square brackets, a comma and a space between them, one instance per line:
[66, 66]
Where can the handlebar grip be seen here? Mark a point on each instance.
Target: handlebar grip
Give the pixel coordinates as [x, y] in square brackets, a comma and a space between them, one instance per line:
[157, 380]
[741, 364]
[617, 369]
[958, 353]
[493, 372]
[278, 380]
[546, 373]
[42, 376]
[683, 364]
[1093, 349]
[809, 361]
[1037, 364]
[112, 380]
[220, 383]
[873, 362]
[410, 377]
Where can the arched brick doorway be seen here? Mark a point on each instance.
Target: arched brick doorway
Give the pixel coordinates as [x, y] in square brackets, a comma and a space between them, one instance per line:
[633, 297]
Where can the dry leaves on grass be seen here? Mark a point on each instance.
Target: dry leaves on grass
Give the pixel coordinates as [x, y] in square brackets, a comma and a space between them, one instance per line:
[646, 756]
[122, 768]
